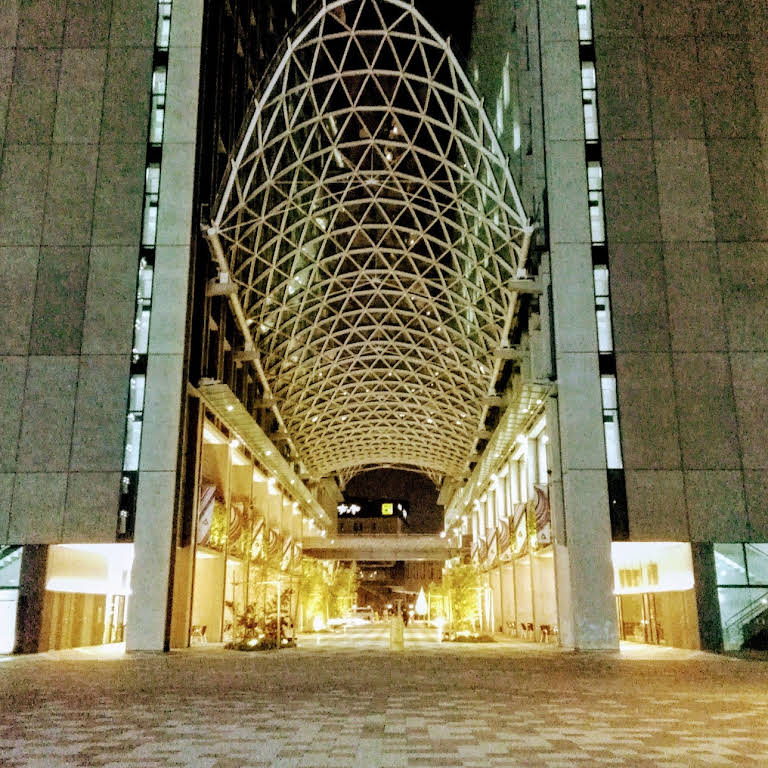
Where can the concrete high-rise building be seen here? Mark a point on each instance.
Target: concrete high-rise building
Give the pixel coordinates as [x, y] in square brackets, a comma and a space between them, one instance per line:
[253, 249]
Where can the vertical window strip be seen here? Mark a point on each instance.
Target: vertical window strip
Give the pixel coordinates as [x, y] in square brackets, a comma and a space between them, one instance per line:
[144, 285]
[601, 273]
[584, 11]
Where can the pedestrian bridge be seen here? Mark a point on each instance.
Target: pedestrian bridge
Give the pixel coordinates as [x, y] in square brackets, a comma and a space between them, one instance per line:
[378, 547]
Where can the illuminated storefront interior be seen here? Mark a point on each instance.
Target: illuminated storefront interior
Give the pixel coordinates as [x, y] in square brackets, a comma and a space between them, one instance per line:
[251, 556]
[87, 592]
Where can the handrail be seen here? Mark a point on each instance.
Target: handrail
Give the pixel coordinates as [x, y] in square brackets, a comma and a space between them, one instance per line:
[748, 612]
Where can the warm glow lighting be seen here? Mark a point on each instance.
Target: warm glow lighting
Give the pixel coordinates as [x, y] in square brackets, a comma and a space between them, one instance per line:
[92, 569]
[234, 443]
[317, 623]
[421, 603]
[86, 586]
[671, 562]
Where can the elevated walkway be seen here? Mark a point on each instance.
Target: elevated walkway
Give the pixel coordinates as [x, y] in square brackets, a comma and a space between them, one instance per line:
[380, 547]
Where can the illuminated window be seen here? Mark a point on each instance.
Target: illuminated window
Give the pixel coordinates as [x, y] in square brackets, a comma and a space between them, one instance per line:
[603, 309]
[157, 110]
[163, 36]
[589, 100]
[611, 422]
[151, 200]
[584, 12]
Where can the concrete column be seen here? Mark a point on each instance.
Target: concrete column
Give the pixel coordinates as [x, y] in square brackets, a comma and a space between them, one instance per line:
[29, 614]
[582, 526]
[148, 623]
[707, 603]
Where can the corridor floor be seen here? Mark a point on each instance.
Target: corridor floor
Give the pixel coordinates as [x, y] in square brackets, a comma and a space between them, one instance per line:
[345, 700]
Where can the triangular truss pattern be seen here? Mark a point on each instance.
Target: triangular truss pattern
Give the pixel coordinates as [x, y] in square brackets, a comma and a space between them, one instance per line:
[372, 227]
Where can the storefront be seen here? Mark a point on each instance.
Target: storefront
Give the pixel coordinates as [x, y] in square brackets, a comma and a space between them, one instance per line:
[511, 532]
[248, 543]
[654, 591]
[86, 599]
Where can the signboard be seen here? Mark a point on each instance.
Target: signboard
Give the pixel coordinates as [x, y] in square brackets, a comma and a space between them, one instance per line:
[358, 507]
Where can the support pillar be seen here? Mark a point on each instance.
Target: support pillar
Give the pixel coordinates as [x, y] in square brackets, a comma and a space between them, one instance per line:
[29, 613]
[707, 603]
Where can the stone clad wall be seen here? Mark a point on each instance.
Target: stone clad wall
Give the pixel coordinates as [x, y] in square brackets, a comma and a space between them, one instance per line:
[74, 100]
[683, 98]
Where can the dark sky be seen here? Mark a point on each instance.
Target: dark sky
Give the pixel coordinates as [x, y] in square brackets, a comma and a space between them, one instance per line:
[451, 18]
[425, 516]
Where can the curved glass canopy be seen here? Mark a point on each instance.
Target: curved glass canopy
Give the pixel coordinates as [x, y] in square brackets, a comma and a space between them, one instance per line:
[372, 227]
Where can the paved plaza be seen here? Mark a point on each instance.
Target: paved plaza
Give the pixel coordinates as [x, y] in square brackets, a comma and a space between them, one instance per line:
[346, 700]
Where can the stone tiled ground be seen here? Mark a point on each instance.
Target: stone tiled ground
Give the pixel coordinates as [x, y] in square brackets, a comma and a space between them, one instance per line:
[347, 701]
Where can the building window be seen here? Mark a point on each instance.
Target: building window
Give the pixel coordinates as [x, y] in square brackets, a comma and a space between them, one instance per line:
[157, 110]
[603, 309]
[611, 422]
[589, 100]
[596, 209]
[742, 578]
[163, 35]
[584, 12]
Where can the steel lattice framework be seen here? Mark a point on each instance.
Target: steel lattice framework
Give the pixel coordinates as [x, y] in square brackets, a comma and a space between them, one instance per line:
[372, 227]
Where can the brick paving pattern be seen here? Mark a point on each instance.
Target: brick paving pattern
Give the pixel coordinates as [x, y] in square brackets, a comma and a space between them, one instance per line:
[345, 701]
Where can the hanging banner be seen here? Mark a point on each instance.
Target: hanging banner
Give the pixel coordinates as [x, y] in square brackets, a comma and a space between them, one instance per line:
[274, 549]
[236, 523]
[257, 546]
[503, 539]
[520, 527]
[287, 552]
[543, 518]
[205, 513]
[492, 551]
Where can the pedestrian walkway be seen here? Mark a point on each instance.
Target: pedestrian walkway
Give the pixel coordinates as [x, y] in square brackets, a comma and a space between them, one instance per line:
[345, 701]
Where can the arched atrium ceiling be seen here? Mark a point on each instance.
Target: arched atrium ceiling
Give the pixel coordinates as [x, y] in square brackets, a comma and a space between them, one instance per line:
[372, 227]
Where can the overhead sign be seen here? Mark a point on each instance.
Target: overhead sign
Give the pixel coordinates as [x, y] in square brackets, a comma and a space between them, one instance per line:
[357, 507]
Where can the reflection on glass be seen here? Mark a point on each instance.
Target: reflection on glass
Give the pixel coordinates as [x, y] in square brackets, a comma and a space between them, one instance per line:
[132, 443]
[739, 607]
[757, 563]
[141, 331]
[163, 25]
[596, 225]
[585, 20]
[136, 395]
[729, 564]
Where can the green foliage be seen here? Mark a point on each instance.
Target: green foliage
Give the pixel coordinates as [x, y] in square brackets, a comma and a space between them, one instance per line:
[259, 620]
[328, 589]
[219, 527]
[461, 583]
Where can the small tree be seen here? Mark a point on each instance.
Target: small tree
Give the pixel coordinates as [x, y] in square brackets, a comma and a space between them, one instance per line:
[461, 583]
[328, 588]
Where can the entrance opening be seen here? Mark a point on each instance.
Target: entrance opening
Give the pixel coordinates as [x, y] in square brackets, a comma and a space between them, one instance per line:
[654, 592]
[87, 590]
[247, 555]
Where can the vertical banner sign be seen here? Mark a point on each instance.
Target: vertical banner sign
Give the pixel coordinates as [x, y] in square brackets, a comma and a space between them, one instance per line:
[205, 513]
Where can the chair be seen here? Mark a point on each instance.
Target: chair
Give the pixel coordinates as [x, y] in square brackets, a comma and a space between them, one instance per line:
[546, 632]
[199, 635]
